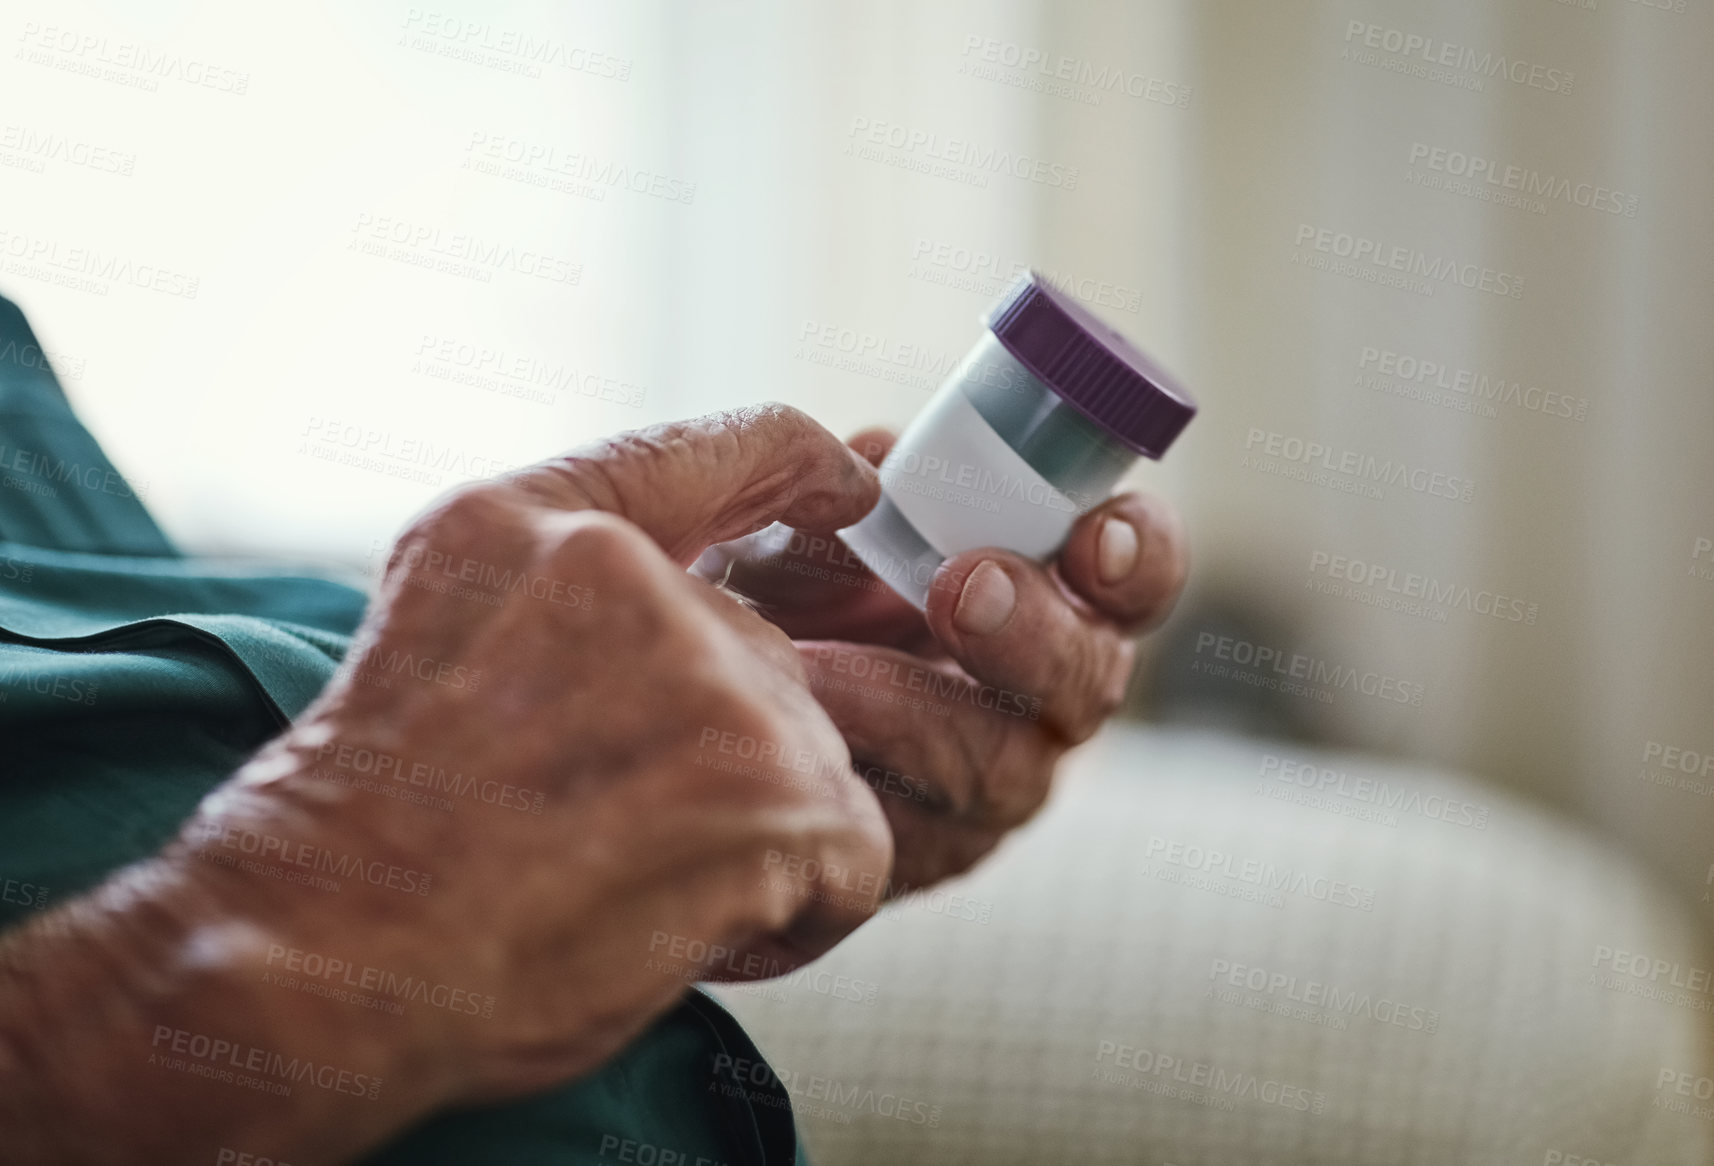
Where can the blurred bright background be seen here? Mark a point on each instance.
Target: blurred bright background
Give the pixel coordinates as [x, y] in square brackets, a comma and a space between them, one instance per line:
[645, 211]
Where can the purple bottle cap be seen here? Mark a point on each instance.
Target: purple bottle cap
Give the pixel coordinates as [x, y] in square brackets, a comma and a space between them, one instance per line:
[1096, 370]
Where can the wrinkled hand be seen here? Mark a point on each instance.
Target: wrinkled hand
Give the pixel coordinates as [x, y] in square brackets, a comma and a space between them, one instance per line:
[958, 720]
[644, 739]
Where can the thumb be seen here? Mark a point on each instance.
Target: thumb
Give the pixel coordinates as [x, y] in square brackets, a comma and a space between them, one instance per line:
[690, 484]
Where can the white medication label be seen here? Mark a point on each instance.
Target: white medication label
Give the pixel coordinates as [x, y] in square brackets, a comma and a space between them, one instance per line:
[963, 487]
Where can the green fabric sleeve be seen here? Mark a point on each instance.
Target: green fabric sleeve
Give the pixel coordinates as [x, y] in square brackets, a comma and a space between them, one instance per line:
[133, 680]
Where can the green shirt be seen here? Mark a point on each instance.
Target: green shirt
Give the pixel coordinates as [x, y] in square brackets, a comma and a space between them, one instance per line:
[134, 679]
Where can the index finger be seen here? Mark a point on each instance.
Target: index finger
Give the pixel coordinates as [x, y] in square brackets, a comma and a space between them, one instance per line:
[689, 484]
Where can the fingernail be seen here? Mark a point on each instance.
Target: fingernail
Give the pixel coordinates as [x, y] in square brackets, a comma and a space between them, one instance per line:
[987, 601]
[1115, 550]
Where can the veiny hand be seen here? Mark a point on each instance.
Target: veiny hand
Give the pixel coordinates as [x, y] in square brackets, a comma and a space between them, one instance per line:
[634, 746]
[959, 719]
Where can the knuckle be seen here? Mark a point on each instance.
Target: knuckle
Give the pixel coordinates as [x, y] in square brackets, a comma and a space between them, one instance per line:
[776, 414]
[472, 521]
[612, 474]
[752, 735]
[1156, 595]
[1177, 575]
[1086, 680]
[750, 718]
[1121, 657]
[595, 536]
[463, 516]
[774, 901]
[1166, 551]
[847, 849]
[1014, 777]
[871, 830]
[606, 552]
[770, 423]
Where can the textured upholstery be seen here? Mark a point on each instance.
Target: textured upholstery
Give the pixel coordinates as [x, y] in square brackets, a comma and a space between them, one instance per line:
[1021, 1017]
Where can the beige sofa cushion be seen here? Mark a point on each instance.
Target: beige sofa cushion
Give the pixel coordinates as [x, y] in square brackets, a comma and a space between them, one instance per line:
[1209, 950]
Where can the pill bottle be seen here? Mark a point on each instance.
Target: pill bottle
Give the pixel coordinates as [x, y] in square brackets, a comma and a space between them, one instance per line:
[1034, 428]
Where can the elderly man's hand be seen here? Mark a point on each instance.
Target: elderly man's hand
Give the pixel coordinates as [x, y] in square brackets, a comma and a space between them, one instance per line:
[958, 720]
[623, 753]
